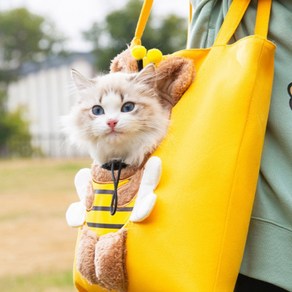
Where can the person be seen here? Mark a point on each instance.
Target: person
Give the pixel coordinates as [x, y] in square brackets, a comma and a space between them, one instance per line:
[267, 261]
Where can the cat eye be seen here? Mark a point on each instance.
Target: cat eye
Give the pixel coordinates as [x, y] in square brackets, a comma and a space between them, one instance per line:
[128, 107]
[97, 110]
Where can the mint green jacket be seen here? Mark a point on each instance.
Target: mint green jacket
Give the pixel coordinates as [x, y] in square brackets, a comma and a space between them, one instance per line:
[268, 252]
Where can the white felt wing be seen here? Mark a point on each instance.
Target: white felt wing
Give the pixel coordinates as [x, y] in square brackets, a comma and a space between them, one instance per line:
[75, 214]
[146, 198]
[81, 181]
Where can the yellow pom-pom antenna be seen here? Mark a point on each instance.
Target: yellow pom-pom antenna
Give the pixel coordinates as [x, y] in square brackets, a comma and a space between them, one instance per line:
[154, 56]
[138, 52]
[143, 57]
[145, 61]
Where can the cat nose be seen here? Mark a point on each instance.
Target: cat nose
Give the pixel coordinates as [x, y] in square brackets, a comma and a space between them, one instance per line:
[112, 123]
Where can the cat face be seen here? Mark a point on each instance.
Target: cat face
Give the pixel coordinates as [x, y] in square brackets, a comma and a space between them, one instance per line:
[118, 116]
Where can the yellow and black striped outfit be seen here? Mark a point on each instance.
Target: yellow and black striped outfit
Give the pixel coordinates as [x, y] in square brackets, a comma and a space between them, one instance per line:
[99, 218]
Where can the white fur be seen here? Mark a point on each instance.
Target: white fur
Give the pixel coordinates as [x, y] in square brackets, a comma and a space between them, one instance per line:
[137, 132]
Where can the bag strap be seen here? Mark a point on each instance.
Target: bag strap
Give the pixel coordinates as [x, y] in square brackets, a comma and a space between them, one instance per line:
[229, 26]
[263, 18]
[234, 16]
[142, 21]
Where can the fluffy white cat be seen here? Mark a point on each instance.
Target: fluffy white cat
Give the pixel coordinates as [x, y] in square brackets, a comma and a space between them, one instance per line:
[118, 116]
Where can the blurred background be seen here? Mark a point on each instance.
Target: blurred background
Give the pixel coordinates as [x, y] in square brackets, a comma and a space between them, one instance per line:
[40, 41]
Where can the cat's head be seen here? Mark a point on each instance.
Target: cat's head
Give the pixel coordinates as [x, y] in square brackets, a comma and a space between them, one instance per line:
[118, 116]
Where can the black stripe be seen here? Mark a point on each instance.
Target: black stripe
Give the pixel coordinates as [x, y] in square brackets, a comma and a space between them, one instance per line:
[101, 208]
[125, 209]
[104, 192]
[104, 225]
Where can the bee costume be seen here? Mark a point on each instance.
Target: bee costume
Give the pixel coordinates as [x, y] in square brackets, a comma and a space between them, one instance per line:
[99, 218]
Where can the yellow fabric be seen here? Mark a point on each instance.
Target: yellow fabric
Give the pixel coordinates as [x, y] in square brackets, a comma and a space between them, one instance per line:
[232, 20]
[194, 238]
[263, 17]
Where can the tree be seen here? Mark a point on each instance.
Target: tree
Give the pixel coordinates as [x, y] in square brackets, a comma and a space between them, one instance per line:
[23, 37]
[110, 37]
[14, 135]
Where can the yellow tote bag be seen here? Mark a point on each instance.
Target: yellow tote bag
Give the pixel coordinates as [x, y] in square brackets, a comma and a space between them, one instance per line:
[194, 239]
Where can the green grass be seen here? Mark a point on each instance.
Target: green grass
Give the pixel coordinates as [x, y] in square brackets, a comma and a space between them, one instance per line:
[35, 194]
[49, 282]
[29, 174]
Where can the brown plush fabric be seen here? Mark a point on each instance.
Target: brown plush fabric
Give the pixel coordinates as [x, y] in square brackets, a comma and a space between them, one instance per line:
[85, 256]
[174, 76]
[110, 255]
[124, 62]
[128, 191]
[89, 196]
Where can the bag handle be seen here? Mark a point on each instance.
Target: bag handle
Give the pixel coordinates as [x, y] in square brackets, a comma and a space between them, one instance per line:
[263, 18]
[229, 26]
[234, 16]
[142, 21]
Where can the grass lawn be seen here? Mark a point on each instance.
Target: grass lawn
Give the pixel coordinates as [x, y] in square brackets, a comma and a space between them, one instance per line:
[47, 282]
[37, 246]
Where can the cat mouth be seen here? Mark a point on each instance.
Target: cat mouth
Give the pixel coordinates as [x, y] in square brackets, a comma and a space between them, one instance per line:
[114, 137]
[114, 132]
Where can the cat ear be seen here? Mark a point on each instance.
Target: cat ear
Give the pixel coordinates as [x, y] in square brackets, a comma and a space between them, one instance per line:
[146, 75]
[80, 81]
